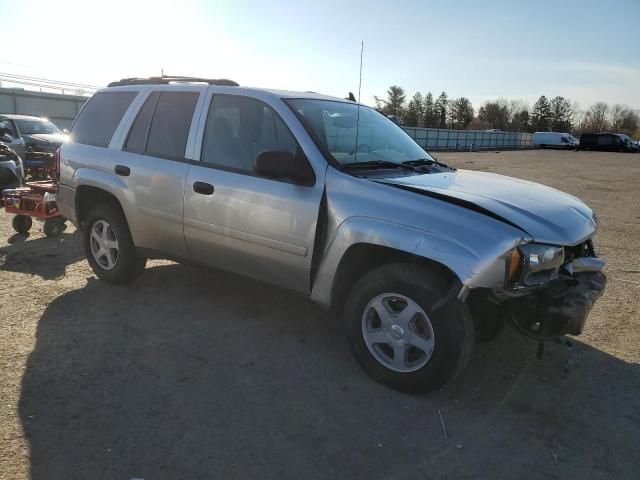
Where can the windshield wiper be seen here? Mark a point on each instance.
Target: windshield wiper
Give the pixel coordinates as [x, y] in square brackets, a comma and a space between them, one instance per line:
[380, 164]
[424, 162]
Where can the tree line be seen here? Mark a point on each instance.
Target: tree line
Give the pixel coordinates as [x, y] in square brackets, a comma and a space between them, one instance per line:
[557, 114]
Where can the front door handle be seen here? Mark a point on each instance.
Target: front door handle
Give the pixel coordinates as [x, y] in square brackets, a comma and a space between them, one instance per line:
[203, 188]
[122, 170]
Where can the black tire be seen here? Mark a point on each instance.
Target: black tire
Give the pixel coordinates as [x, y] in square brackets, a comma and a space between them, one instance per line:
[128, 264]
[53, 227]
[22, 223]
[543, 146]
[436, 294]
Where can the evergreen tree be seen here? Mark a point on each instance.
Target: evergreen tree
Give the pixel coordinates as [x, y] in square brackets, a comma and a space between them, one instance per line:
[429, 112]
[541, 115]
[520, 122]
[440, 108]
[394, 104]
[460, 113]
[414, 114]
[561, 115]
[495, 113]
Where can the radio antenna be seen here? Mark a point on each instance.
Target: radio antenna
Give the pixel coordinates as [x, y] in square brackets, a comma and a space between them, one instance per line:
[359, 90]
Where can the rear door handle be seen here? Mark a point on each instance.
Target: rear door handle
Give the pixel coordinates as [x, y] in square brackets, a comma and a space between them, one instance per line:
[203, 188]
[122, 170]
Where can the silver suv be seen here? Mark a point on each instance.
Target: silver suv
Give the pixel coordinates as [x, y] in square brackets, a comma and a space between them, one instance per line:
[330, 199]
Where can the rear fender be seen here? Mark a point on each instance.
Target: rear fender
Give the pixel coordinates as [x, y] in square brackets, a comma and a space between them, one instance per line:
[105, 181]
[88, 177]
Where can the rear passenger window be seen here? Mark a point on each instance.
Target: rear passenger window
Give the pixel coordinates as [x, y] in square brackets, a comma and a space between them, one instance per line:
[238, 129]
[100, 117]
[171, 123]
[137, 140]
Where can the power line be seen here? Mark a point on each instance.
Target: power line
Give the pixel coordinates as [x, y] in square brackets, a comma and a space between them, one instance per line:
[45, 83]
[45, 80]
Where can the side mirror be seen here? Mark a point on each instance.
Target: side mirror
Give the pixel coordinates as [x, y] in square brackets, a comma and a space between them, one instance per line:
[284, 165]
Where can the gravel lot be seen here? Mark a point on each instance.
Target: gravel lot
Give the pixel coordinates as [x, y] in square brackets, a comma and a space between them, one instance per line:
[197, 374]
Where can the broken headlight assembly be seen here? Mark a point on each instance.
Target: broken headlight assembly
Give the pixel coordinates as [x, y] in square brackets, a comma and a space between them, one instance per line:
[533, 264]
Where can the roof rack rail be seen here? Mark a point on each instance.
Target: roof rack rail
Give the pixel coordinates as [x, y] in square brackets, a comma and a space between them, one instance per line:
[166, 79]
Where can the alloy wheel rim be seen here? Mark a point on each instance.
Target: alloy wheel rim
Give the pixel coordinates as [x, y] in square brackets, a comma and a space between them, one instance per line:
[104, 244]
[398, 332]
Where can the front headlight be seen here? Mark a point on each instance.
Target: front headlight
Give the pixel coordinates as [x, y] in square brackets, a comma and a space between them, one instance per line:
[533, 264]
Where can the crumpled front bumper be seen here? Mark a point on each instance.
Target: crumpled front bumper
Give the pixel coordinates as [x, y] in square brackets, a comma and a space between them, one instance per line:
[560, 308]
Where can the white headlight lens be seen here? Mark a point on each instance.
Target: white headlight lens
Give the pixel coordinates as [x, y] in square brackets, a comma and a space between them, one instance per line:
[541, 263]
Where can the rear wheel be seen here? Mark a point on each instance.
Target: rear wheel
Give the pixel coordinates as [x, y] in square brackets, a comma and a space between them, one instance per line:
[406, 329]
[22, 223]
[109, 247]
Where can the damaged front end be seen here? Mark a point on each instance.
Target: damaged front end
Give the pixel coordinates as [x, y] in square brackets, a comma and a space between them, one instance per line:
[548, 290]
[554, 290]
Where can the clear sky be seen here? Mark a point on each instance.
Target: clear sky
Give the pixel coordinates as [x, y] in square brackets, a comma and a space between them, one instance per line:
[585, 50]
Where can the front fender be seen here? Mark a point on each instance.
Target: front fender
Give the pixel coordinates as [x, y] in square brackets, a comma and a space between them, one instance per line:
[475, 266]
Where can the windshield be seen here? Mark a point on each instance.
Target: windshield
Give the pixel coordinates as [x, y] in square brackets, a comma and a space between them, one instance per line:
[31, 127]
[336, 126]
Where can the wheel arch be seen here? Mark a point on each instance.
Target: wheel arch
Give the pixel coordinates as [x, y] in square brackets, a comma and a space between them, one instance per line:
[361, 258]
[88, 196]
[363, 243]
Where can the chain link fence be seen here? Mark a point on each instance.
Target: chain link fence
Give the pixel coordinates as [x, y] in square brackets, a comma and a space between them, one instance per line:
[469, 140]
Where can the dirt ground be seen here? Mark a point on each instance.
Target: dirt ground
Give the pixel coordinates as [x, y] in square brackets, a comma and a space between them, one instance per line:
[198, 374]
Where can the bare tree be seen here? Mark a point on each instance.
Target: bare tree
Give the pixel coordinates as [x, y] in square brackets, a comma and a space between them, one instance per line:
[624, 119]
[597, 115]
[518, 113]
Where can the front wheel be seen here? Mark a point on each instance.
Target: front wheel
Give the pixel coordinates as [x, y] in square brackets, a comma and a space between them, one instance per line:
[407, 329]
[109, 247]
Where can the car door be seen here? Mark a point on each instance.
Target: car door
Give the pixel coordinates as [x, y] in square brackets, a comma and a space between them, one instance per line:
[13, 138]
[237, 220]
[153, 165]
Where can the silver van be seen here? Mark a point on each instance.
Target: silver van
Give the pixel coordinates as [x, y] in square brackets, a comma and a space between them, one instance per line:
[328, 198]
[554, 140]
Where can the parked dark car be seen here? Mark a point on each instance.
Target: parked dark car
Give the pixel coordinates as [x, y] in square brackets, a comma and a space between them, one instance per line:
[11, 171]
[38, 136]
[608, 142]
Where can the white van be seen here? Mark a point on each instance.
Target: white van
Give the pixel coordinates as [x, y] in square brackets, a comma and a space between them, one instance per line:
[554, 140]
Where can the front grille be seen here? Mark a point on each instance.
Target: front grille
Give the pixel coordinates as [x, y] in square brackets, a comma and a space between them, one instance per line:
[584, 249]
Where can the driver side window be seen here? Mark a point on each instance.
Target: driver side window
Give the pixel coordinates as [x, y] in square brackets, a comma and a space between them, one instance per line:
[238, 129]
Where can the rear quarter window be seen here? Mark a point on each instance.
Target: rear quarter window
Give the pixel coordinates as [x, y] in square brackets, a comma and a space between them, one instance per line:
[100, 117]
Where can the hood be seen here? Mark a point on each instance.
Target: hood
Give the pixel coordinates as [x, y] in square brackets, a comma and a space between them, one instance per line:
[46, 138]
[546, 214]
